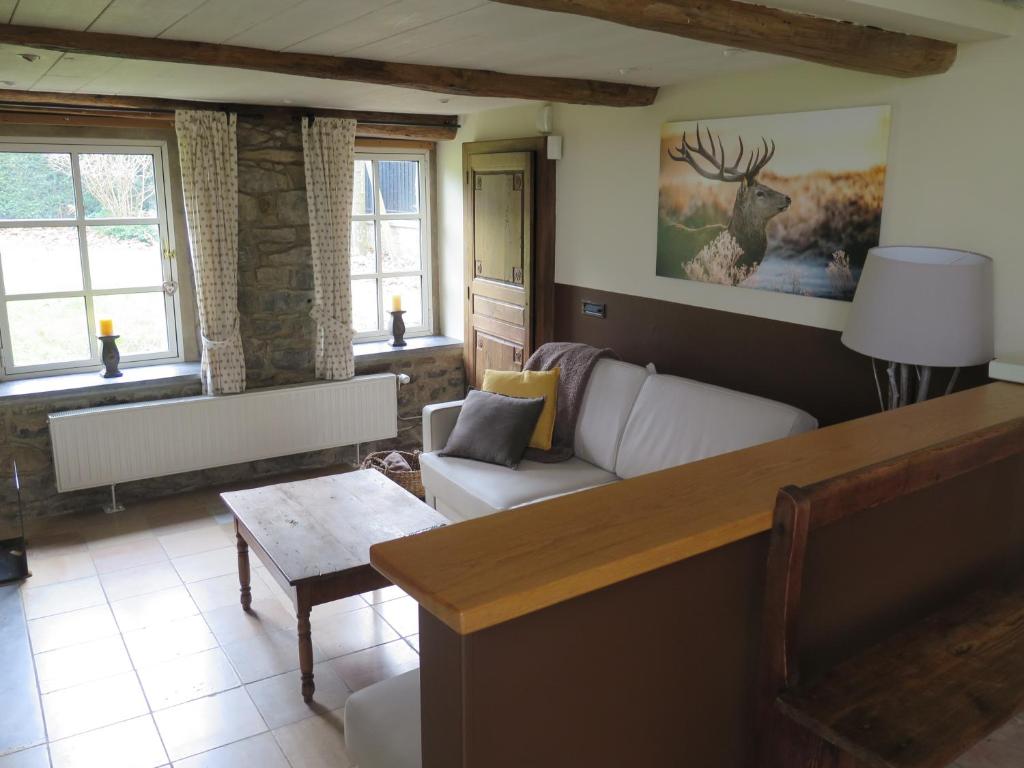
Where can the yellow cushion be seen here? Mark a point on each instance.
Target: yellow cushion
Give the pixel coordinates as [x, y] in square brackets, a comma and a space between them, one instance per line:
[529, 384]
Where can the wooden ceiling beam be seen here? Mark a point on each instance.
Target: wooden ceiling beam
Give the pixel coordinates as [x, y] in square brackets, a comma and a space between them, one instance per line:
[451, 80]
[770, 30]
[370, 124]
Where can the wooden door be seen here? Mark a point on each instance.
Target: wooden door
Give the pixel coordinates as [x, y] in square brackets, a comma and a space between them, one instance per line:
[499, 230]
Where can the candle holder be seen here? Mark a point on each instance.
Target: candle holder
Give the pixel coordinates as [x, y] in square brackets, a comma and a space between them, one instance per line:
[110, 357]
[397, 328]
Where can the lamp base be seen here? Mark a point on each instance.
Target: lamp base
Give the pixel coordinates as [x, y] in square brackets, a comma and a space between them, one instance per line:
[906, 384]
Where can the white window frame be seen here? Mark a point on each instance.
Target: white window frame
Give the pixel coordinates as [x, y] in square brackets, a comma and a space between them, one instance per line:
[165, 225]
[425, 273]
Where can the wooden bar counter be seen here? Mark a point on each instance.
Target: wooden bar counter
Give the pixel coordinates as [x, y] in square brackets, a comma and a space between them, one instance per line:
[619, 626]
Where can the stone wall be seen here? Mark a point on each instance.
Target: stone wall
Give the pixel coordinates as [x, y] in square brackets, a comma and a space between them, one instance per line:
[275, 297]
[275, 273]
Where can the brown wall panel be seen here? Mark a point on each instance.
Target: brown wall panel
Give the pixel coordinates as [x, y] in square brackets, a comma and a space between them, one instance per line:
[797, 364]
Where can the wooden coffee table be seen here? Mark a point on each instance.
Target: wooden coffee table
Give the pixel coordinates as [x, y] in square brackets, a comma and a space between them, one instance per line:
[314, 537]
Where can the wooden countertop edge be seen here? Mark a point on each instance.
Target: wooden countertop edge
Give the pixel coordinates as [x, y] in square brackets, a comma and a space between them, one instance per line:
[438, 571]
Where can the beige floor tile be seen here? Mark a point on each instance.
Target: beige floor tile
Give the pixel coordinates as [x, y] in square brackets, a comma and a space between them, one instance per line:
[36, 757]
[266, 654]
[351, 632]
[164, 642]
[81, 663]
[93, 705]
[187, 677]
[63, 597]
[67, 629]
[207, 723]
[403, 614]
[364, 668]
[128, 554]
[140, 580]
[383, 595]
[255, 752]
[153, 609]
[328, 611]
[58, 568]
[414, 642]
[318, 742]
[231, 623]
[206, 565]
[197, 540]
[221, 591]
[279, 698]
[131, 744]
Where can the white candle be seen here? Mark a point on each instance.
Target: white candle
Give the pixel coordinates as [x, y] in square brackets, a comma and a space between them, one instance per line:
[396, 303]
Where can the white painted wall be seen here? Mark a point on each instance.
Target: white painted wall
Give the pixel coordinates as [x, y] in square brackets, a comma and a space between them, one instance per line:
[956, 175]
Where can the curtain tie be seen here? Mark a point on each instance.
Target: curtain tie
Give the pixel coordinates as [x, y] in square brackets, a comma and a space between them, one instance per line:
[215, 343]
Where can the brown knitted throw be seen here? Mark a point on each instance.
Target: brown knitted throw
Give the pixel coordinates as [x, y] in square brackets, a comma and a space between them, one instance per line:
[576, 362]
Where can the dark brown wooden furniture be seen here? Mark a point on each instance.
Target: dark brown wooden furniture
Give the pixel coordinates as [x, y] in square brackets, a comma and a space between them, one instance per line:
[314, 537]
[621, 626]
[927, 693]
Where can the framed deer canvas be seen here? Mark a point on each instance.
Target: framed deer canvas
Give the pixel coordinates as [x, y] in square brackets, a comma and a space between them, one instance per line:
[788, 203]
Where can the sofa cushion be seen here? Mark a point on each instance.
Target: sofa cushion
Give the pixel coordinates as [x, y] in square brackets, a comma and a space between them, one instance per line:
[609, 398]
[529, 384]
[494, 428]
[382, 724]
[475, 489]
[676, 421]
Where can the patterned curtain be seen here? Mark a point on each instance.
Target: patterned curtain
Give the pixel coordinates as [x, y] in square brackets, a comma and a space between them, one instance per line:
[209, 176]
[328, 145]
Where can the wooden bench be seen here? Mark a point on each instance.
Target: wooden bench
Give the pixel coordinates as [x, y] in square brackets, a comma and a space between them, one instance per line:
[926, 694]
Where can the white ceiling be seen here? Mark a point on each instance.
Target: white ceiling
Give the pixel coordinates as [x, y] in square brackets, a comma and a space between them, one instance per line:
[470, 33]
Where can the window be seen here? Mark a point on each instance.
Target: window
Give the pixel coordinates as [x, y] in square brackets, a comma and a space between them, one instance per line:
[84, 236]
[390, 243]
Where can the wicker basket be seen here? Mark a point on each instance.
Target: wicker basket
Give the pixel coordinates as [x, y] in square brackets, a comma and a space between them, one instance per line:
[411, 481]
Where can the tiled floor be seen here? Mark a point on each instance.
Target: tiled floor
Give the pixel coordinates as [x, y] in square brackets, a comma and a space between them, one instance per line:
[143, 657]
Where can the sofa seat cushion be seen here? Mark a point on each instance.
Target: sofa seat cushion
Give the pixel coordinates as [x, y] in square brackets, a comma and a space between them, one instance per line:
[382, 724]
[676, 421]
[475, 489]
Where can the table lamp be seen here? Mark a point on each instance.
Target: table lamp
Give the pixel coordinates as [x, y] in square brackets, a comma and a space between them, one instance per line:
[917, 308]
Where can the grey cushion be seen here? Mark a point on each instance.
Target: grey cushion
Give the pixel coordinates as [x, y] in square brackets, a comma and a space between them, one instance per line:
[382, 724]
[473, 489]
[607, 402]
[676, 421]
[494, 428]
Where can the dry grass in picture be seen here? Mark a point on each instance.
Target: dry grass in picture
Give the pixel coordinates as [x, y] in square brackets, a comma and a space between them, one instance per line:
[787, 203]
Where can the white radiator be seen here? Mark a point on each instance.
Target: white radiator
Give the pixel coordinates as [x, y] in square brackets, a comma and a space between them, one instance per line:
[118, 443]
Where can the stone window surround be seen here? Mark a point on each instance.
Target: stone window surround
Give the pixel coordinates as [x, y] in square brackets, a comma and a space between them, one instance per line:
[141, 377]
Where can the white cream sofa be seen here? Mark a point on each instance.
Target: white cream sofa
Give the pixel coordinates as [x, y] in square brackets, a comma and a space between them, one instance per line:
[632, 422]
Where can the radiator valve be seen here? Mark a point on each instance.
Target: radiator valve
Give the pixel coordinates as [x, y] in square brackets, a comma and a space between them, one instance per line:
[403, 378]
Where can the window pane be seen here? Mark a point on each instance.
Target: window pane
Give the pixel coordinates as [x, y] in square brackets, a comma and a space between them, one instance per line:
[364, 305]
[36, 185]
[411, 292]
[40, 260]
[118, 186]
[48, 331]
[362, 188]
[400, 245]
[399, 186]
[364, 256]
[139, 318]
[124, 256]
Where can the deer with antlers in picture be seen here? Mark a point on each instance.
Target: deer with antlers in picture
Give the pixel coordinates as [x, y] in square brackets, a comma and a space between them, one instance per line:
[756, 204]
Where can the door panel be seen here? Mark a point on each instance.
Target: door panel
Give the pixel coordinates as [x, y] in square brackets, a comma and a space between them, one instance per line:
[497, 354]
[499, 211]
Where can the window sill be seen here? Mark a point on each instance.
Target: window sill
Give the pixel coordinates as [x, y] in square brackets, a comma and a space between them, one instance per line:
[372, 351]
[92, 382]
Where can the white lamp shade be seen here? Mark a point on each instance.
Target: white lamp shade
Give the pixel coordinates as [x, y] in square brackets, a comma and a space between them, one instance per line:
[923, 306]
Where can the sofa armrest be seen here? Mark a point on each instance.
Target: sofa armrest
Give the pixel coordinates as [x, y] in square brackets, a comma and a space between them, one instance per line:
[438, 422]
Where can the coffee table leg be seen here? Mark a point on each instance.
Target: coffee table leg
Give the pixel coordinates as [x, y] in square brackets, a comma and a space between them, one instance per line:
[305, 645]
[243, 573]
